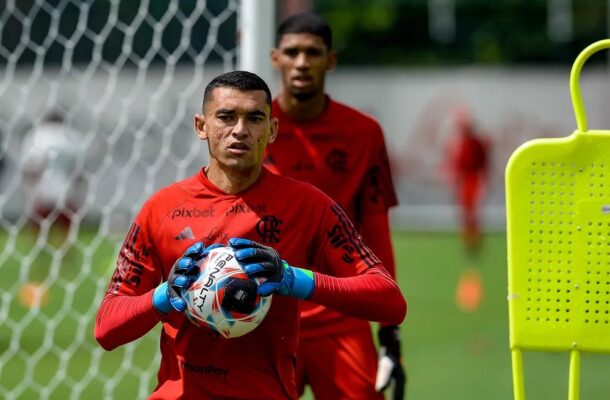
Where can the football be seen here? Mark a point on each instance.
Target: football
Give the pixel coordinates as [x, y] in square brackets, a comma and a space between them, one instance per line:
[223, 298]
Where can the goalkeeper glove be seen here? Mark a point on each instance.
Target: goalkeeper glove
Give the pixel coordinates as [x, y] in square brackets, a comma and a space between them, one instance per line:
[389, 367]
[260, 261]
[168, 295]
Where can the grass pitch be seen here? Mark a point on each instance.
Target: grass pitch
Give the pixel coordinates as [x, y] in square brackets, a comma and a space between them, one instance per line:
[451, 351]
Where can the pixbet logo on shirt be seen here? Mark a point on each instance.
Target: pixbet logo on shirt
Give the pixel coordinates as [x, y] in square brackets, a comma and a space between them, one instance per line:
[240, 208]
[193, 212]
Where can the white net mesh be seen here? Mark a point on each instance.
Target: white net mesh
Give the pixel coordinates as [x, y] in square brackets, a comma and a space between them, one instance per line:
[97, 105]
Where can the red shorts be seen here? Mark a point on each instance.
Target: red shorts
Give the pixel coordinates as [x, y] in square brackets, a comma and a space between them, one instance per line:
[470, 191]
[338, 366]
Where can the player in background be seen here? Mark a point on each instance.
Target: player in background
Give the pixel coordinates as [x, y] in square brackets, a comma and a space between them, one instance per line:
[467, 165]
[53, 189]
[268, 218]
[342, 152]
[50, 168]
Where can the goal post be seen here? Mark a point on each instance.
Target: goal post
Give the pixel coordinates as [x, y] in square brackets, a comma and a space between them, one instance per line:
[98, 99]
[257, 30]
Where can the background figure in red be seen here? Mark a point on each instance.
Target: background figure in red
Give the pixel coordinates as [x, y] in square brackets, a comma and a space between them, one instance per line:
[342, 152]
[468, 164]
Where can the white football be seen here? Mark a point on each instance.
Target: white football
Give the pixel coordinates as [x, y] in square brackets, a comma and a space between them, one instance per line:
[223, 298]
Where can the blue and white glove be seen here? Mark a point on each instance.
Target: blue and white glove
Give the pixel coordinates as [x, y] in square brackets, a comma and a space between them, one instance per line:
[168, 295]
[260, 261]
[389, 367]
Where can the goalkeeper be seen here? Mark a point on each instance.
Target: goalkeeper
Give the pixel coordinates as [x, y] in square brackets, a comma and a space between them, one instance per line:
[269, 219]
[342, 152]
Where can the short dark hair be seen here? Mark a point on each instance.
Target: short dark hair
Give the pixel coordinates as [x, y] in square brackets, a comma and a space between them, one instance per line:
[241, 80]
[54, 117]
[306, 23]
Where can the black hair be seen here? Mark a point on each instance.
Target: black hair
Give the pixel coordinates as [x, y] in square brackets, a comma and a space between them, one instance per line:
[54, 117]
[306, 23]
[241, 80]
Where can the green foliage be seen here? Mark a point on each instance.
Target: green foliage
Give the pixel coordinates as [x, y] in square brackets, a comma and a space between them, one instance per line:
[486, 32]
[384, 32]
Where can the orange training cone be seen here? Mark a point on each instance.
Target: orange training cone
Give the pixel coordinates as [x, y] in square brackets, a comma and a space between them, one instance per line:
[34, 294]
[469, 291]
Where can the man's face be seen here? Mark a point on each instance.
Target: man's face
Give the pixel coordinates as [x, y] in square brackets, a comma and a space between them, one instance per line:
[302, 59]
[237, 126]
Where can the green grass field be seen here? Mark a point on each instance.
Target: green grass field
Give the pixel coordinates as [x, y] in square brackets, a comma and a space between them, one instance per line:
[449, 353]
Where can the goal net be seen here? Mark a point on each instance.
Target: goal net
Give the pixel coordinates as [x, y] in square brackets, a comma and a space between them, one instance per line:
[98, 99]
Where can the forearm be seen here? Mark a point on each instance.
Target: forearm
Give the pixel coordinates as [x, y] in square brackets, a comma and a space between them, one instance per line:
[372, 296]
[122, 319]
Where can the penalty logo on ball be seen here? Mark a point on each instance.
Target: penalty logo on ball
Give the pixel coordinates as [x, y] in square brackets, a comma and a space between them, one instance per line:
[224, 298]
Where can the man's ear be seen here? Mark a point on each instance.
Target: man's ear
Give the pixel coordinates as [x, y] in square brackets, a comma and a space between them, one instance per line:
[275, 53]
[201, 127]
[274, 127]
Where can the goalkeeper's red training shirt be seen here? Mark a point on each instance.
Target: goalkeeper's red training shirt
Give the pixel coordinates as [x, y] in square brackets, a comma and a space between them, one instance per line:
[306, 227]
[342, 152]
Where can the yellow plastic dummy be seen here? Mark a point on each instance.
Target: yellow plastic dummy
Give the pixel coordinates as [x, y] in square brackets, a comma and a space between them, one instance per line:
[558, 234]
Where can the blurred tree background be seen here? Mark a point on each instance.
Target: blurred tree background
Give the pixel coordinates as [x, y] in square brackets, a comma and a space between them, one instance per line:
[383, 32]
[451, 32]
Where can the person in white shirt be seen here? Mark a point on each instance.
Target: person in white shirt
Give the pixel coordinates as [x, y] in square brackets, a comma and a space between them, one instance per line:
[51, 171]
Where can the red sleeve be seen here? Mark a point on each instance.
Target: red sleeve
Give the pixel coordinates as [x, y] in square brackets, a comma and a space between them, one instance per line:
[122, 319]
[126, 312]
[372, 296]
[376, 196]
[352, 279]
[377, 193]
[138, 268]
[375, 230]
